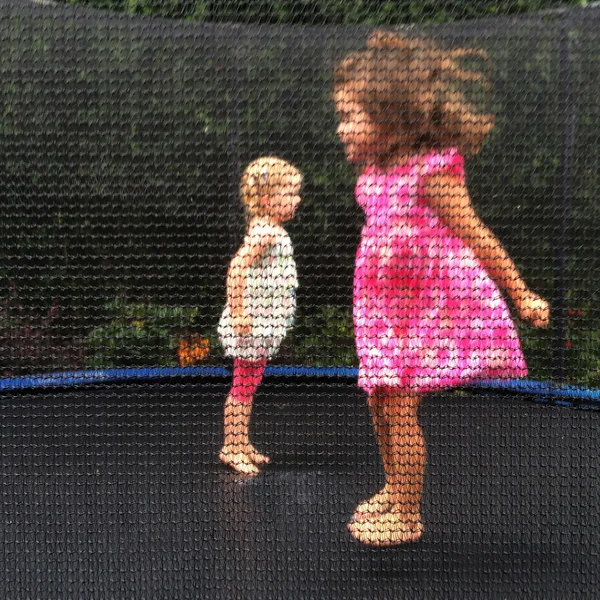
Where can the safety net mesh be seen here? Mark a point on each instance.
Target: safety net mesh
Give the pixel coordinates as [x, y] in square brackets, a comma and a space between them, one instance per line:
[394, 225]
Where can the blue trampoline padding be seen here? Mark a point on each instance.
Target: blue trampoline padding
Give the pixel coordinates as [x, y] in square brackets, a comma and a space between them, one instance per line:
[546, 391]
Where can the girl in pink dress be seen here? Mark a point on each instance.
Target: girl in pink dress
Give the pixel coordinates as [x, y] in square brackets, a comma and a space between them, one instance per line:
[428, 312]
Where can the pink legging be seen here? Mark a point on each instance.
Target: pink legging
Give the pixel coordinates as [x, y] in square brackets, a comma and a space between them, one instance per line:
[247, 376]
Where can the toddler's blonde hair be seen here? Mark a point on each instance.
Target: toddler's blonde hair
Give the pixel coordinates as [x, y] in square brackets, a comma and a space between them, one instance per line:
[262, 178]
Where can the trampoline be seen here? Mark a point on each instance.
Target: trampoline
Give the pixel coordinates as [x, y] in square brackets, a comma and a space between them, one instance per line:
[117, 492]
[120, 159]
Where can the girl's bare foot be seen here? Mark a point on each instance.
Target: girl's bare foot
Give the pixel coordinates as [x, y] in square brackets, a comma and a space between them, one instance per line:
[386, 529]
[238, 460]
[256, 457]
[376, 505]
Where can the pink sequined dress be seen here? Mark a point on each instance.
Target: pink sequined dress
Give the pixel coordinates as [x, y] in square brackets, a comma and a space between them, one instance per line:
[426, 313]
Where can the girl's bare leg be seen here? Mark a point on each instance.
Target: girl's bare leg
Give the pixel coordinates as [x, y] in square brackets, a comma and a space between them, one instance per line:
[409, 458]
[237, 451]
[380, 502]
[393, 516]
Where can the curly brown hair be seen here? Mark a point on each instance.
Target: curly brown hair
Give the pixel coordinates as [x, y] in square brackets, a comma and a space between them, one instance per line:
[411, 89]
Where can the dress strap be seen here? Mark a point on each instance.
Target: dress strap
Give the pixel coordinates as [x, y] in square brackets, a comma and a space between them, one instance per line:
[448, 160]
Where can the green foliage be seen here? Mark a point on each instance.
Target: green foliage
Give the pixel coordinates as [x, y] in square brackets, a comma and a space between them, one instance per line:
[328, 12]
[324, 339]
[33, 340]
[583, 356]
[140, 335]
[149, 128]
[537, 351]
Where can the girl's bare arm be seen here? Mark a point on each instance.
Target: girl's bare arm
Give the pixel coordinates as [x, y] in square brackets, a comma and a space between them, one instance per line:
[450, 198]
[256, 245]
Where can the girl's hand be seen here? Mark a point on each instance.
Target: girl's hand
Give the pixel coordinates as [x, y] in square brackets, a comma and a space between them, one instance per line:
[242, 324]
[533, 309]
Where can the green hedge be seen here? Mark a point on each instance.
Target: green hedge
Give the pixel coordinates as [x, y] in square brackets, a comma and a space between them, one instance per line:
[329, 12]
[121, 145]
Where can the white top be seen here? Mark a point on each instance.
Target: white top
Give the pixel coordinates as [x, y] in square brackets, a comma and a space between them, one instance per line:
[270, 298]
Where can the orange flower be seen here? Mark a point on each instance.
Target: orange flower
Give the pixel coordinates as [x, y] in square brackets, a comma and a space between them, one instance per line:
[192, 350]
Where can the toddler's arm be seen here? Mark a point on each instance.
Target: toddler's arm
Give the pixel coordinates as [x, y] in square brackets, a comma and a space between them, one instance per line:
[257, 243]
[449, 196]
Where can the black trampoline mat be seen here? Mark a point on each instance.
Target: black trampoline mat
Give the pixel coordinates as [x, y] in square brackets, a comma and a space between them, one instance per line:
[118, 493]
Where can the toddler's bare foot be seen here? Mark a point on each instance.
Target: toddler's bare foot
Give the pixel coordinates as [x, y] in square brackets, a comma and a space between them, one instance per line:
[386, 529]
[238, 460]
[256, 457]
[376, 505]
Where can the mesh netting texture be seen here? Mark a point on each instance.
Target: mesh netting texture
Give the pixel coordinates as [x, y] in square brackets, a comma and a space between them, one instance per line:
[299, 300]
